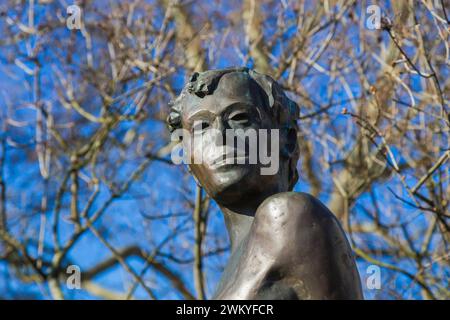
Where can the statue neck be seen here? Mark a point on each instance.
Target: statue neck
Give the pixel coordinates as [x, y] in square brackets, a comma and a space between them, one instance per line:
[239, 219]
[239, 214]
[238, 226]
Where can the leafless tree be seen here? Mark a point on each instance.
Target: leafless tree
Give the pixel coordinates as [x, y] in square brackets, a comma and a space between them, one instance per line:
[85, 171]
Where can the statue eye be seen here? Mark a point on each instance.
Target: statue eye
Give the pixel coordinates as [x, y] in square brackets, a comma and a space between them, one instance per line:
[200, 126]
[240, 118]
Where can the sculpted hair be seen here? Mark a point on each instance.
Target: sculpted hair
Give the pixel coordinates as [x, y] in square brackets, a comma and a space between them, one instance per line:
[283, 110]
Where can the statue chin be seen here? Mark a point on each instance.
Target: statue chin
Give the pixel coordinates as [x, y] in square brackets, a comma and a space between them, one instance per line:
[242, 185]
[228, 186]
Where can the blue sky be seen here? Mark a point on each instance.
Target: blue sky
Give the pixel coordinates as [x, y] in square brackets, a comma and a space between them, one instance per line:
[162, 188]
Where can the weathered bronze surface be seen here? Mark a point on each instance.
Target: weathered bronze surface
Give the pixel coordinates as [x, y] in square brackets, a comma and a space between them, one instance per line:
[285, 245]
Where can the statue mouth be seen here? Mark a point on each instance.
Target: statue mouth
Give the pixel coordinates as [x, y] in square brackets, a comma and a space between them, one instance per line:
[229, 160]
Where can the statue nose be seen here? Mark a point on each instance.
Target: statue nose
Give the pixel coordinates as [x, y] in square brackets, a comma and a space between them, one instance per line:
[220, 129]
[219, 125]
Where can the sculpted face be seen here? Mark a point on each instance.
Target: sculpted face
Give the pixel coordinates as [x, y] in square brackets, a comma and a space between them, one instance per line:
[238, 103]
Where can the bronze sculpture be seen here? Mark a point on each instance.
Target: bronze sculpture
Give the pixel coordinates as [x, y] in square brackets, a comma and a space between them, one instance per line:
[284, 245]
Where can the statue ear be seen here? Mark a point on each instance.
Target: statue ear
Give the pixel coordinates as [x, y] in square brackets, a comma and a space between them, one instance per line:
[289, 150]
[290, 142]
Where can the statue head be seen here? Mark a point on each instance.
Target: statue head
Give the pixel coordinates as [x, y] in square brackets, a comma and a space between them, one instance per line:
[244, 102]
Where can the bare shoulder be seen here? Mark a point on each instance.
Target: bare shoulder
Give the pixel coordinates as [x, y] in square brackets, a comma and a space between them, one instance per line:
[290, 218]
[297, 208]
[307, 242]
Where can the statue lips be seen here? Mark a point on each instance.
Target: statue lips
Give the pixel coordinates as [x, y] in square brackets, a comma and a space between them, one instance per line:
[226, 160]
